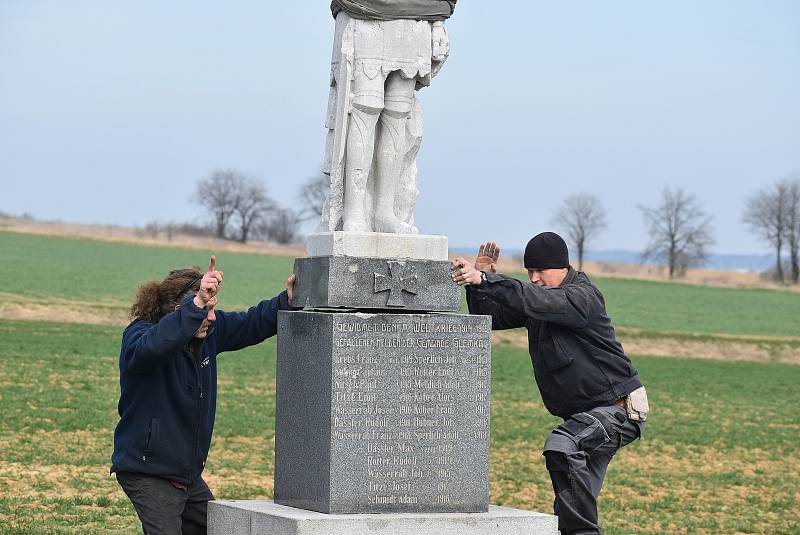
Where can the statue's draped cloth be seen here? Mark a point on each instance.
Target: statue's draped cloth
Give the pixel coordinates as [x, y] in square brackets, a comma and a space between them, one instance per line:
[395, 9]
[376, 48]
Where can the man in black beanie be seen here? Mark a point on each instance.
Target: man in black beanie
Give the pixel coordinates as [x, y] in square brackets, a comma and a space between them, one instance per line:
[581, 370]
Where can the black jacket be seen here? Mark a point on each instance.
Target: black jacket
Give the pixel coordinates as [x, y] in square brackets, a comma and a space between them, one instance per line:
[168, 395]
[577, 360]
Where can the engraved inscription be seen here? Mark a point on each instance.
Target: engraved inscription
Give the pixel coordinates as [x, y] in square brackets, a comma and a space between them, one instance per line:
[410, 405]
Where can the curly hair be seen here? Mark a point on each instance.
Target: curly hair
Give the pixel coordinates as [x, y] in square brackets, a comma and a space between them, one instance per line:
[154, 299]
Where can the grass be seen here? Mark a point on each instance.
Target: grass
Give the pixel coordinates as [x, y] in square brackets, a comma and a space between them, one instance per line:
[720, 454]
[89, 270]
[681, 308]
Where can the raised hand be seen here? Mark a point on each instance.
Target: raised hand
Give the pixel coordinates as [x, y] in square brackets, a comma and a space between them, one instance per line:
[488, 253]
[290, 282]
[209, 284]
[464, 273]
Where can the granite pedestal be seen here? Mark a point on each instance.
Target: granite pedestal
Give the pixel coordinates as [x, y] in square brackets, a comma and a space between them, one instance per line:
[382, 412]
[261, 517]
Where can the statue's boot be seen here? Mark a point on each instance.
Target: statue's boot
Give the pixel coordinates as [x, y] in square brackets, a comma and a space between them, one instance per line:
[360, 149]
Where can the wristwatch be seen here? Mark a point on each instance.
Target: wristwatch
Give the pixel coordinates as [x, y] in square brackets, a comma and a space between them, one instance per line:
[483, 277]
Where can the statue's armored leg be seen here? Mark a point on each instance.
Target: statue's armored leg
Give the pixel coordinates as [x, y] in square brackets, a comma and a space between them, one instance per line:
[390, 143]
[367, 106]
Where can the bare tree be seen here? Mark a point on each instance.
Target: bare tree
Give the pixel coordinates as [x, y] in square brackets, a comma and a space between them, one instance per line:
[251, 205]
[313, 194]
[233, 199]
[217, 194]
[679, 230]
[766, 213]
[283, 226]
[792, 183]
[582, 217]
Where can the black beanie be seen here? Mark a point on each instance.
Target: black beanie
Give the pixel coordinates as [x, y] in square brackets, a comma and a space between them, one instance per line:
[547, 250]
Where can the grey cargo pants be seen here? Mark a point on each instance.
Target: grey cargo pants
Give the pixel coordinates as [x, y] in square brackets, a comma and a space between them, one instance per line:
[164, 509]
[577, 455]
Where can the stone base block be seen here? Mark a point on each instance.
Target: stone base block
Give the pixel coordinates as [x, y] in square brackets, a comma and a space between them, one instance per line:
[383, 413]
[378, 245]
[261, 517]
[375, 283]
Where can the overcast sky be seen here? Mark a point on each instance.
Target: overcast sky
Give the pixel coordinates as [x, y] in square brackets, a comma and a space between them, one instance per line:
[111, 111]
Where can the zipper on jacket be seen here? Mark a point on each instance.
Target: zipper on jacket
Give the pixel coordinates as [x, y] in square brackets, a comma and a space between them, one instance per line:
[199, 407]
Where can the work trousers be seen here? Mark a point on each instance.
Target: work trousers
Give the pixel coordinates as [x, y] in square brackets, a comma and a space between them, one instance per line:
[577, 454]
[165, 509]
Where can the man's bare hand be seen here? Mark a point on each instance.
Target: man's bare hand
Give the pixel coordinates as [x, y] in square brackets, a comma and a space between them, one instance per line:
[209, 284]
[290, 287]
[488, 253]
[464, 273]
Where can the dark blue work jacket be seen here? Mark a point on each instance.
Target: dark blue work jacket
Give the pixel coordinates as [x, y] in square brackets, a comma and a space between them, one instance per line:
[168, 394]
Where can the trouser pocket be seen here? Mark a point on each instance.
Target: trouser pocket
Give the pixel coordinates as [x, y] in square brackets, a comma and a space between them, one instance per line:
[586, 430]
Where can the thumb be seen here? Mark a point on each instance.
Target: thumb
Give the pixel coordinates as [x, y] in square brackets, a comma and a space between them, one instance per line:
[213, 263]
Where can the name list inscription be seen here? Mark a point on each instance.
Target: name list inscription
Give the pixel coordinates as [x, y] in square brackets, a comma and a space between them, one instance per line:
[410, 406]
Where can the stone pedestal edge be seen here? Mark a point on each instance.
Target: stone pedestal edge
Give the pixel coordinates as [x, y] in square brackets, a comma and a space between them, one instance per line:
[263, 517]
[378, 245]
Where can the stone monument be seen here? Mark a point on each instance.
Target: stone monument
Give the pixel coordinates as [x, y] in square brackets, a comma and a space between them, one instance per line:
[383, 388]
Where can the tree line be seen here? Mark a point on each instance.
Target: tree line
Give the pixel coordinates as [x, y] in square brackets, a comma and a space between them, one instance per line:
[773, 212]
[241, 209]
[680, 231]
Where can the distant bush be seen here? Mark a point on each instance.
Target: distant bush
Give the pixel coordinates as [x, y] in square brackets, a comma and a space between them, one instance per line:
[154, 229]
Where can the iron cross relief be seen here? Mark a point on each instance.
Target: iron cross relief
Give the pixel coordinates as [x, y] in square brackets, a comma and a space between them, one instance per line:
[397, 282]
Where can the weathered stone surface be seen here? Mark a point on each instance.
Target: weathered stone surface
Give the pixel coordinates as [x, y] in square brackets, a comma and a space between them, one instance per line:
[375, 283]
[382, 412]
[372, 145]
[268, 518]
[377, 245]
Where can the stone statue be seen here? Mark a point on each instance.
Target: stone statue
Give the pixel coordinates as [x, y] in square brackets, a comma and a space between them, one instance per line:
[383, 51]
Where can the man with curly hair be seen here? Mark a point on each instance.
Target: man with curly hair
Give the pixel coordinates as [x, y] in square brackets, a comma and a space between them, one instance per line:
[168, 392]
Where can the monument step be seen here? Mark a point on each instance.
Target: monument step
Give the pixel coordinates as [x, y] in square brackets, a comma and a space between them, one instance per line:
[262, 517]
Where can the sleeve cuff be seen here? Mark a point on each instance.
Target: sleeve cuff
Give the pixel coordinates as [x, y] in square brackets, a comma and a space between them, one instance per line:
[188, 302]
[283, 301]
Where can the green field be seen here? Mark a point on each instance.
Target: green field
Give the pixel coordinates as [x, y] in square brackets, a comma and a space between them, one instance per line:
[720, 454]
[90, 270]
